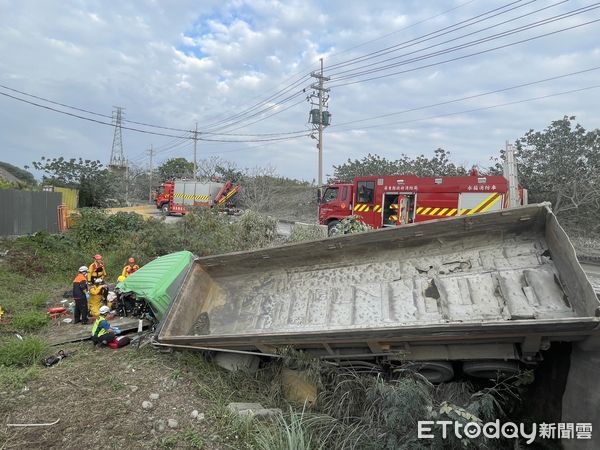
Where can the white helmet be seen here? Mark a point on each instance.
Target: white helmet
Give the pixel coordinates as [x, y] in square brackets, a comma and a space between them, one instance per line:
[98, 281]
[83, 269]
[104, 310]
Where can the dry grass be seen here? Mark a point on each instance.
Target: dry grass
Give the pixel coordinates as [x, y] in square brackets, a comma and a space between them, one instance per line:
[91, 393]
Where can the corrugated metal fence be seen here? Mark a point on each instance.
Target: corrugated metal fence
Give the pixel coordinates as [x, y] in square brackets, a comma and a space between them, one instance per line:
[27, 212]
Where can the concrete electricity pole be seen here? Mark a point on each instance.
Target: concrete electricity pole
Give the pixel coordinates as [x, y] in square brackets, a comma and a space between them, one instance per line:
[151, 153]
[195, 162]
[320, 117]
[510, 173]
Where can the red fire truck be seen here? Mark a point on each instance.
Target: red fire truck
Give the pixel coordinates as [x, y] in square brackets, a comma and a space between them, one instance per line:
[383, 201]
[177, 195]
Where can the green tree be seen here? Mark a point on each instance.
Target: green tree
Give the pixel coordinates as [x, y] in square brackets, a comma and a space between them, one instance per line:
[23, 175]
[176, 168]
[561, 164]
[438, 165]
[97, 186]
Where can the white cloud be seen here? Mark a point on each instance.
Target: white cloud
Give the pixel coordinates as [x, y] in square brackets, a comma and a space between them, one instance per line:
[203, 61]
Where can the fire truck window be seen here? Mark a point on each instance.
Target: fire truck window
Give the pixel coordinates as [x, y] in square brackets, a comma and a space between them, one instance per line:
[330, 195]
[161, 189]
[365, 191]
[344, 193]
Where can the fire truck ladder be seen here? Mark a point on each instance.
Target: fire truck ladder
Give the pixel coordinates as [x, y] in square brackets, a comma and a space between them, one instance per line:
[226, 193]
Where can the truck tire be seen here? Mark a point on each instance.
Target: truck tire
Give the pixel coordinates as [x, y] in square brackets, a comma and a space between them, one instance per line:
[165, 208]
[433, 371]
[491, 369]
[332, 228]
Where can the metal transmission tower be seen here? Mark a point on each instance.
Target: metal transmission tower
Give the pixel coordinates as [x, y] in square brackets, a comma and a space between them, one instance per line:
[319, 116]
[117, 157]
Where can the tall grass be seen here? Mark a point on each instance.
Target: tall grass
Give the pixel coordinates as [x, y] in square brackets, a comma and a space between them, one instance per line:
[21, 353]
[288, 432]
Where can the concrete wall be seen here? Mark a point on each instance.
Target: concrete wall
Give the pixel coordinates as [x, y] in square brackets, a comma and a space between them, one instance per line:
[581, 400]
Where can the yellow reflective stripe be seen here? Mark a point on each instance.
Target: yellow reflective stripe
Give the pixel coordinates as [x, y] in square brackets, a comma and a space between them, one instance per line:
[419, 209]
[442, 212]
[356, 206]
[432, 213]
[490, 204]
[451, 212]
[487, 199]
[462, 211]
[426, 210]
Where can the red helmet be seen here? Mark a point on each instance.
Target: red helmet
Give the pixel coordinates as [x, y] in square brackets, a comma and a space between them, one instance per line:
[98, 257]
[131, 260]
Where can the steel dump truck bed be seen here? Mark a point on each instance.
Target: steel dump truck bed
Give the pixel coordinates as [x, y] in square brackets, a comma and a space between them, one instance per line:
[456, 287]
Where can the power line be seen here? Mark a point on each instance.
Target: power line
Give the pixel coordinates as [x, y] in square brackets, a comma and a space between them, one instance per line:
[154, 133]
[467, 55]
[432, 35]
[469, 97]
[443, 13]
[446, 41]
[483, 108]
[252, 108]
[87, 111]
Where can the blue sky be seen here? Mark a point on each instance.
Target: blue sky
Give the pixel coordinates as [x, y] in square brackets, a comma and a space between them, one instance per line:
[180, 62]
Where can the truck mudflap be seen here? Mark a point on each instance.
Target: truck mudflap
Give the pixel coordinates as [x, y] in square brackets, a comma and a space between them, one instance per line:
[500, 285]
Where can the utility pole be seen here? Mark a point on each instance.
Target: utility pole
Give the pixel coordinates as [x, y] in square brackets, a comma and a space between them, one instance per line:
[195, 142]
[151, 153]
[126, 182]
[320, 117]
[510, 173]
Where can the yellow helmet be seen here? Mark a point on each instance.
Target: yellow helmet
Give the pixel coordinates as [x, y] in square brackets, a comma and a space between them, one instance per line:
[121, 278]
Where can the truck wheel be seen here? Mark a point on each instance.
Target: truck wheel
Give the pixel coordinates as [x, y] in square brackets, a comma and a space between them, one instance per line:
[433, 371]
[491, 369]
[165, 208]
[333, 228]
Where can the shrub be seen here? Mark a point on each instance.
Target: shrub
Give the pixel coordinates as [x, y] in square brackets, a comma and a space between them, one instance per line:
[21, 353]
[306, 233]
[352, 224]
[95, 229]
[256, 230]
[30, 321]
[205, 232]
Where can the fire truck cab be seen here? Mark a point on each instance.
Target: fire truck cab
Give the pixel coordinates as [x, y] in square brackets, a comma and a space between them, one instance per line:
[383, 201]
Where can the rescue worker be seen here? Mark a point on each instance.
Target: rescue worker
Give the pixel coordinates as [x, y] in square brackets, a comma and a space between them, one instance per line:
[80, 294]
[130, 268]
[96, 297]
[102, 333]
[97, 269]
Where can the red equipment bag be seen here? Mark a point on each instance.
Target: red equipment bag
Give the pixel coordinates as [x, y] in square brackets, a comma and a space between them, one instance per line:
[119, 341]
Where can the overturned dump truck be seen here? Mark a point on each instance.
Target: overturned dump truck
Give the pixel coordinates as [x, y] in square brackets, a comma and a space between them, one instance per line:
[481, 294]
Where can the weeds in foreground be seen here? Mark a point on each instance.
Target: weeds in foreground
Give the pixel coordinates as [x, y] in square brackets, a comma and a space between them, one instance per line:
[12, 378]
[29, 322]
[21, 353]
[288, 432]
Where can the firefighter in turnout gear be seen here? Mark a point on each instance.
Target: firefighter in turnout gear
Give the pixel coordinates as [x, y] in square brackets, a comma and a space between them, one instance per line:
[80, 294]
[96, 296]
[97, 269]
[130, 268]
[102, 333]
